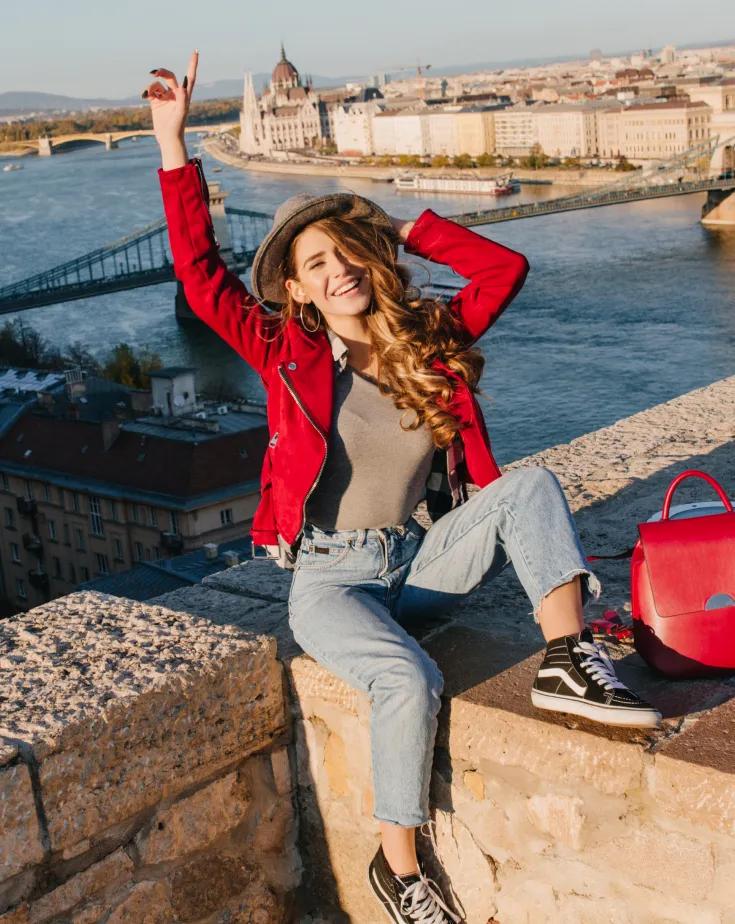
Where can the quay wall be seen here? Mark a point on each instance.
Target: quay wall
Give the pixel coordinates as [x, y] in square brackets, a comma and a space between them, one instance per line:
[182, 760]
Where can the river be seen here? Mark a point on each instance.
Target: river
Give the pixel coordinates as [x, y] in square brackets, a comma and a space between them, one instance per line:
[624, 307]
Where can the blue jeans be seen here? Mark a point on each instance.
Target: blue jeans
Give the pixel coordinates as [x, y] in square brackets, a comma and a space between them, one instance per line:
[353, 590]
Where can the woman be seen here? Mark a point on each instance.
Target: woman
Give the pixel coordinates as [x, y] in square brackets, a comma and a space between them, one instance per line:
[371, 408]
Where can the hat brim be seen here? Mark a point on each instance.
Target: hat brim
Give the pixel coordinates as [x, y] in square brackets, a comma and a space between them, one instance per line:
[266, 275]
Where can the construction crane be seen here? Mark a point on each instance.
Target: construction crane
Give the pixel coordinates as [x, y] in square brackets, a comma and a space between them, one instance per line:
[409, 67]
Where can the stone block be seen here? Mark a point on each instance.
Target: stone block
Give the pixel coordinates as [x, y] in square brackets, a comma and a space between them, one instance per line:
[477, 731]
[125, 704]
[194, 822]
[702, 795]
[335, 765]
[659, 859]
[100, 877]
[16, 916]
[204, 884]
[313, 685]
[475, 784]
[561, 816]
[253, 579]
[281, 771]
[144, 903]
[20, 835]
[471, 874]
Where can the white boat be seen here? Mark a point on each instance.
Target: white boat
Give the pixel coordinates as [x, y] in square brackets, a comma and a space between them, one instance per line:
[502, 185]
[8, 167]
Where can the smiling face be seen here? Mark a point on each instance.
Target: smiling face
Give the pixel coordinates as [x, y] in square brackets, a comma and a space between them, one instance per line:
[326, 277]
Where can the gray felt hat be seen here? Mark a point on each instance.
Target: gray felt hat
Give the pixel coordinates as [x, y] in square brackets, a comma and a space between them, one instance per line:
[292, 216]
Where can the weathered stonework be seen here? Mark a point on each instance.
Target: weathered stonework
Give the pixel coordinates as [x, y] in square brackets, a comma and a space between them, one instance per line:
[152, 756]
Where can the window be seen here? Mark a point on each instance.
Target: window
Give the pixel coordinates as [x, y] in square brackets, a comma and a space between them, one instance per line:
[52, 530]
[95, 515]
[226, 516]
[67, 541]
[4, 481]
[118, 548]
[113, 511]
[61, 496]
[10, 517]
[152, 517]
[72, 574]
[139, 551]
[57, 567]
[103, 566]
[46, 493]
[85, 573]
[29, 490]
[75, 502]
[15, 552]
[81, 547]
[136, 513]
[173, 521]
[20, 588]
[156, 552]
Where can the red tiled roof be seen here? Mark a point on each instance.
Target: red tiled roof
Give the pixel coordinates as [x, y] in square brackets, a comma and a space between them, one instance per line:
[147, 463]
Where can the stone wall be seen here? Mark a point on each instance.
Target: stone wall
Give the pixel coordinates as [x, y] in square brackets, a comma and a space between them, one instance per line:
[144, 769]
[184, 761]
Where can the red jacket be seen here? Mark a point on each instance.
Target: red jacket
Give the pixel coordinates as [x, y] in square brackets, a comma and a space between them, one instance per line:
[296, 367]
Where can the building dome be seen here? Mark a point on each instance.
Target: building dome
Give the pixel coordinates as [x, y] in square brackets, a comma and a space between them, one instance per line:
[284, 73]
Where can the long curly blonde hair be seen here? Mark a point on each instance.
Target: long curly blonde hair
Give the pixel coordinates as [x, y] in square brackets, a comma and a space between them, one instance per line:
[407, 331]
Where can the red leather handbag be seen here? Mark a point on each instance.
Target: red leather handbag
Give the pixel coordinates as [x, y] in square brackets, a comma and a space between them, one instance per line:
[683, 588]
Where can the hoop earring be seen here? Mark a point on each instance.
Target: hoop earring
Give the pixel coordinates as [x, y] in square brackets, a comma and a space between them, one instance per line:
[311, 330]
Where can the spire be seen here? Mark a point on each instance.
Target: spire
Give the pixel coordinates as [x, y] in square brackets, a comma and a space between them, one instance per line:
[283, 52]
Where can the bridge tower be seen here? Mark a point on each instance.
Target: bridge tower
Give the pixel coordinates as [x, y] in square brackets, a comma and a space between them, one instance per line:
[45, 147]
[110, 145]
[217, 197]
[719, 209]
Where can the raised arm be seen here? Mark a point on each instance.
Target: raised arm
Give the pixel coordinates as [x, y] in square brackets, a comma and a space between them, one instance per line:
[214, 293]
[496, 273]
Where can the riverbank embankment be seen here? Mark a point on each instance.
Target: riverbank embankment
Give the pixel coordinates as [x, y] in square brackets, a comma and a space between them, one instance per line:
[590, 177]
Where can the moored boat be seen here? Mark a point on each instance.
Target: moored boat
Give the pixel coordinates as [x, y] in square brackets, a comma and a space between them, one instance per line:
[501, 185]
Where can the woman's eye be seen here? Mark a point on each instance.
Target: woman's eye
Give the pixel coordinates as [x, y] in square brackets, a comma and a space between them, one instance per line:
[320, 263]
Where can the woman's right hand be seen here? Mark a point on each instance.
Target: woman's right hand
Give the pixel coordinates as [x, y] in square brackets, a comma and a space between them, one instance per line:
[169, 108]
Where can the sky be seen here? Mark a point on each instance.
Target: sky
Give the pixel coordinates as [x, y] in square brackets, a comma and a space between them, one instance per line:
[100, 48]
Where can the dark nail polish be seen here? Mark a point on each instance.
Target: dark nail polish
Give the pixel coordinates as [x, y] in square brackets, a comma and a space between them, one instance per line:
[144, 94]
[185, 82]
[155, 70]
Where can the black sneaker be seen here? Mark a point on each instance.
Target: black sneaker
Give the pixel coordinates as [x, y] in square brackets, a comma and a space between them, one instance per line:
[414, 898]
[577, 676]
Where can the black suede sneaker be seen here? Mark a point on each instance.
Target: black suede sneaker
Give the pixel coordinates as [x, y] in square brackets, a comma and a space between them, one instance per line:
[577, 676]
[414, 898]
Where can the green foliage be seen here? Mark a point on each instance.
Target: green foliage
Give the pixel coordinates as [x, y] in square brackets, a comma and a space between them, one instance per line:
[536, 158]
[115, 120]
[22, 345]
[462, 161]
[409, 160]
[486, 160]
[440, 160]
[623, 164]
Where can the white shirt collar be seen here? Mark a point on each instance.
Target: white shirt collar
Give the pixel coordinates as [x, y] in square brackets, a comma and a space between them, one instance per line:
[339, 349]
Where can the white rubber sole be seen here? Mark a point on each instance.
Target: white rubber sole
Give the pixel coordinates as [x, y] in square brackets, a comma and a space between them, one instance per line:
[607, 715]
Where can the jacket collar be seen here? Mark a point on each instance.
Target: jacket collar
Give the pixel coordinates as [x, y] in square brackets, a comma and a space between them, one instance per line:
[339, 349]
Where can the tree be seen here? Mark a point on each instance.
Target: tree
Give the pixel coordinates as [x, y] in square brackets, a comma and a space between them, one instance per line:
[486, 160]
[536, 158]
[440, 160]
[462, 161]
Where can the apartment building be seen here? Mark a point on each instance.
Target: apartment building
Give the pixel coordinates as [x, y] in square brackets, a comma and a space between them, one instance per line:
[516, 129]
[654, 131]
[720, 97]
[85, 494]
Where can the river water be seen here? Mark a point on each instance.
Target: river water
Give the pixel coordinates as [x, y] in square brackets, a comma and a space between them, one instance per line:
[624, 307]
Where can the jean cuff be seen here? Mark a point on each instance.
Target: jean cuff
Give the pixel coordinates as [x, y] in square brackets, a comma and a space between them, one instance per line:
[591, 587]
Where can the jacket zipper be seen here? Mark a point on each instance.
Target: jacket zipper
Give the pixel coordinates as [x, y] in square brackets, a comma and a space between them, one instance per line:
[318, 429]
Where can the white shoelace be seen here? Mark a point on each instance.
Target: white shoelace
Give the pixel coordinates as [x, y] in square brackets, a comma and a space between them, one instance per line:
[426, 903]
[599, 665]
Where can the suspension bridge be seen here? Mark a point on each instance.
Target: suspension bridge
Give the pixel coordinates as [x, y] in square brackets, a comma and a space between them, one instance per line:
[143, 258]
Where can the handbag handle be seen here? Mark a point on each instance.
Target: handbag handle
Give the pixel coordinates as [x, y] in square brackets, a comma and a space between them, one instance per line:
[694, 473]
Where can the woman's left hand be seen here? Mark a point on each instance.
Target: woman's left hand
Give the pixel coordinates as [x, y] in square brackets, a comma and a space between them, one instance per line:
[402, 227]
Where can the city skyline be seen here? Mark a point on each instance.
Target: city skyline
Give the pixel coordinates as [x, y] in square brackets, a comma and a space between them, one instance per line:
[71, 54]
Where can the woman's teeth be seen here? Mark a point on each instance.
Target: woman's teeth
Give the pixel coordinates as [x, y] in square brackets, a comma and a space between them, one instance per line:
[345, 289]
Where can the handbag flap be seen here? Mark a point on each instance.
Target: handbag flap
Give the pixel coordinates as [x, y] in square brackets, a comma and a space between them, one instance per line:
[689, 561]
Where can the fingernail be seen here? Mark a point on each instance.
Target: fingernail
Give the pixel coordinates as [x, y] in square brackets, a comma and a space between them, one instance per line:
[185, 82]
[144, 94]
[155, 70]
